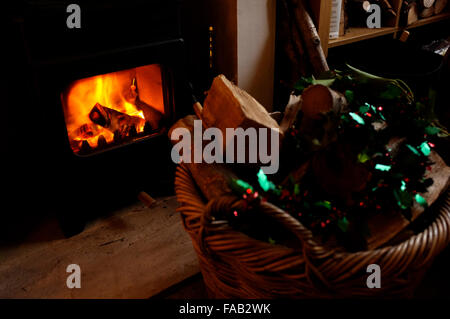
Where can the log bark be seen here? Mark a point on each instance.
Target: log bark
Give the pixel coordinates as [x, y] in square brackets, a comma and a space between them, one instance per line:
[277, 116]
[291, 44]
[290, 113]
[85, 148]
[342, 21]
[439, 6]
[113, 120]
[86, 130]
[412, 13]
[101, 142]
[427, 12]
[319, 99]
[311, 38]
[387, 7]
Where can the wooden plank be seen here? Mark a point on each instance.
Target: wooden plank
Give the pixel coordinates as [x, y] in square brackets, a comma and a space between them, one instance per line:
[436, 18]
[359, 34]
[135, 253]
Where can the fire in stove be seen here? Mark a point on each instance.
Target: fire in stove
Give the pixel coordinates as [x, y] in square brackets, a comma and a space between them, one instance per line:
[113, 109]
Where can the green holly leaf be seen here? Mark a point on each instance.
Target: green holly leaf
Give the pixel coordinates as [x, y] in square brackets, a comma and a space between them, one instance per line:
[404, 199]
[324, 82]
[240, 186]
[303, 83]
[392, 92]
[422, 201]
[432, 130]
[326, 204]
[350, 96]
[425, 149]
[343, 224]
[363, 109]
[363, 157]
[264, 181]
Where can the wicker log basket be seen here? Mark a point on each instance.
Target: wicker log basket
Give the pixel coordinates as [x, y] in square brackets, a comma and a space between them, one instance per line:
[237, 266]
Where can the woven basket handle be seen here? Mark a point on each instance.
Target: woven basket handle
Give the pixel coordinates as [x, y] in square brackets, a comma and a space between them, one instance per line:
[226, 204]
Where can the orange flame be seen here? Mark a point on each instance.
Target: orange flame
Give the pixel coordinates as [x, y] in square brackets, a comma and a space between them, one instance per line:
[115, 90]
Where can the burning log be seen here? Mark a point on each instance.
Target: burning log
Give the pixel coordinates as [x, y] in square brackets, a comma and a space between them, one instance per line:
[151, 115]
[117, 137]
[132, 132]
[113, 120]
[85, 147]
[101, 142]
[86, 131]
[148, 128]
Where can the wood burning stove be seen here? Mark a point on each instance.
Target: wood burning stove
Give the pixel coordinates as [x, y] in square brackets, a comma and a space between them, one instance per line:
[100, 102]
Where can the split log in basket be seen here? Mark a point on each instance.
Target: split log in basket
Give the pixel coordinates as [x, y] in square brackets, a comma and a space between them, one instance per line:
[228, 106]
[212, 179]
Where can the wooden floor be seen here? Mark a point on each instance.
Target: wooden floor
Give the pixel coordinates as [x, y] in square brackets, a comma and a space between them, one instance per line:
[135, 253]
[138, 252]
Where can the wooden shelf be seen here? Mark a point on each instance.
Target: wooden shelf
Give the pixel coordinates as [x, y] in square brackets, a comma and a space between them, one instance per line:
[358, 34]
[436, 18]
[322, 12]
